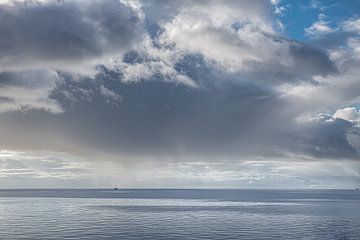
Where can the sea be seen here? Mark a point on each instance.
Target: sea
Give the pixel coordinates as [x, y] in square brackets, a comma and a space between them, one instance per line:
[166, 214]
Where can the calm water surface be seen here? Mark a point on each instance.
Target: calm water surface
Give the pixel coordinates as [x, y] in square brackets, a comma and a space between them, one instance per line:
[179, 214]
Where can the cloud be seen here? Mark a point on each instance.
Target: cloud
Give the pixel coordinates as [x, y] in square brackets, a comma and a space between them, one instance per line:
[40, 39]
[46, 169]
[40, 165]
[213, 95]
[65, 35]
[334, 90]
[22, 91]
[325, 138]
[242, 40]
[327, 135]
[349, 114]
[352, 25]
[110, 95]
[318, 28]
[140, 82]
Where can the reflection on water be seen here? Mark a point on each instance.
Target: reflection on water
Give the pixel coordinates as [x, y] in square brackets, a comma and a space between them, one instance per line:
[179, 214]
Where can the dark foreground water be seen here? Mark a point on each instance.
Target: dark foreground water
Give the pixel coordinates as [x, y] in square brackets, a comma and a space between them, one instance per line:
[180, 214]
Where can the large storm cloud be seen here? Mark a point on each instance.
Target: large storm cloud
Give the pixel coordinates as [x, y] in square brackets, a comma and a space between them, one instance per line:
[183, 81]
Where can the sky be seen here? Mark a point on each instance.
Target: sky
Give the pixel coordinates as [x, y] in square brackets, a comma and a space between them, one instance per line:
[179, 94]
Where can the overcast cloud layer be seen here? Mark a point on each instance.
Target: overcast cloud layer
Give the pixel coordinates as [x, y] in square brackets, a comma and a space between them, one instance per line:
[178, 93]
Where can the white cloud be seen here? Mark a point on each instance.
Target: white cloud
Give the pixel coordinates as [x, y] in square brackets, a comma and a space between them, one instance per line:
[275, 2]
[349, 114]
[229, 35]
[41, 165]
[319, 28]
[352, 25]
[314, 4]
[110, 96]
[251, 173]
[49, 169]
[156, 61]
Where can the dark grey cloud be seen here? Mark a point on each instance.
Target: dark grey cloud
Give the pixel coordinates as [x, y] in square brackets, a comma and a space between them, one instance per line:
[24, 90]
[218, 119]
[35, 34]
[312, 60]
[155, 117]
[37, 39]
[324, 139]
[29, 79]
[225, 116]
[222, 117]
[334, 39]
[307, 61]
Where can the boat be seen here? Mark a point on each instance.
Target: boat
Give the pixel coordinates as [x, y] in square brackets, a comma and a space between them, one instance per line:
[116, 188]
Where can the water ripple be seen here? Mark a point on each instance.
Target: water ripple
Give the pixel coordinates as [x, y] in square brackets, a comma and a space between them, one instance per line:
[177, 218]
